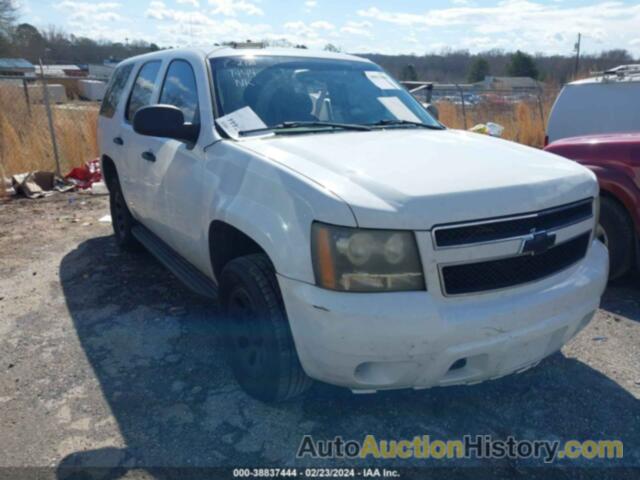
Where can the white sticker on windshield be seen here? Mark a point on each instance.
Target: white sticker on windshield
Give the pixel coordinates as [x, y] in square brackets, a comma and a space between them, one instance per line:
[382, 80]
[398, 109]
[240, 121]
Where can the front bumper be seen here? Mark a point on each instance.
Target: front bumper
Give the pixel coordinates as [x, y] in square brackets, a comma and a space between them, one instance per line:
[413, 339]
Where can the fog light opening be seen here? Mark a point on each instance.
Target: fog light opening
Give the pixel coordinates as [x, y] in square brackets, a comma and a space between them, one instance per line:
[458, 364]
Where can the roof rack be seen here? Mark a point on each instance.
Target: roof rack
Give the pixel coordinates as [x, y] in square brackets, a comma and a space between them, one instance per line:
[247, 44]
[620, 72]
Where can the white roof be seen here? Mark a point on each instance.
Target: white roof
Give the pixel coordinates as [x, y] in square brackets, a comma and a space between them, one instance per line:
[590, 81]
[623, 73]
[218, 52]
[282, 52]
[61, 67]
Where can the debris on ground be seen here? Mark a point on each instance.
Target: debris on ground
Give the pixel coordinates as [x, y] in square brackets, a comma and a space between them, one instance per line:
[489, 128]
[86, 176]
[7, 187]
[99, 188]
[39, 184]
[105, 219]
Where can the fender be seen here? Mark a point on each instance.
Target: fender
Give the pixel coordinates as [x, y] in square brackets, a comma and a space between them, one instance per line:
[622, 188]
[269, 203]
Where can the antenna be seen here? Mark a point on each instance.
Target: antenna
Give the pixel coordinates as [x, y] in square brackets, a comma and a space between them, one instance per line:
[577, 50]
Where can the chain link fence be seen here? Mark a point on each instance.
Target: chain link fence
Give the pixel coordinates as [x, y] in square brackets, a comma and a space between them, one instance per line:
[51, 129]
[54, 129]
[522, 112]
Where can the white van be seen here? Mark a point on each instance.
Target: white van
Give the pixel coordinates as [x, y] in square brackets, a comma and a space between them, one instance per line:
[609, 103]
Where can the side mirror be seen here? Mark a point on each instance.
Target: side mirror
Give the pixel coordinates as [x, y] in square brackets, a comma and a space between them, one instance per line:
[165, 121]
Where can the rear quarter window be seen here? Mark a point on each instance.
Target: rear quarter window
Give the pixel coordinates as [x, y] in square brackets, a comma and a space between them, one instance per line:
[114, 91]
[595, 108]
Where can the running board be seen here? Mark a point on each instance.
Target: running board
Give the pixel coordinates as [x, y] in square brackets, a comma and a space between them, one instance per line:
[187, 273]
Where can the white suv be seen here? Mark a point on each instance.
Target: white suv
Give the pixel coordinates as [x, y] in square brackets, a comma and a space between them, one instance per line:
[349, 236]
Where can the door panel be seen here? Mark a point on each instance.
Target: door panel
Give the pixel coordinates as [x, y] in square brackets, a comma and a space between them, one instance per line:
[143, 93]
[172, 184]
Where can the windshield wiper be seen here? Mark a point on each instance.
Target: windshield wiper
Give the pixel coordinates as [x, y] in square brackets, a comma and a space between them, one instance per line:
[291, 125]
[401, 123]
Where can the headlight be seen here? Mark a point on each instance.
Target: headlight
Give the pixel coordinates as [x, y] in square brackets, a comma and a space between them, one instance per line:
[359, 260]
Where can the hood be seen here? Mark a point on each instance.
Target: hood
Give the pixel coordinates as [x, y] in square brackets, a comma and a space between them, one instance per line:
[415, 179]
[608, 138]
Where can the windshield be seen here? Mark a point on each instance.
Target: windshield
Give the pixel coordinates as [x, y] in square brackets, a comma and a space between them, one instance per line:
[305, 93]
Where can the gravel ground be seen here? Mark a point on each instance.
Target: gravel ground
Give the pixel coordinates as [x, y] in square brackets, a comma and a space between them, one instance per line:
[106, 360]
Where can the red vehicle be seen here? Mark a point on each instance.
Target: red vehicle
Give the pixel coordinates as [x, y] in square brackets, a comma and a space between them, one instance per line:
[615, 159]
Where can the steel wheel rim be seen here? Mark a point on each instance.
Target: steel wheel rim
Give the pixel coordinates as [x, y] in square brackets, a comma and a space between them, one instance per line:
[248, 342]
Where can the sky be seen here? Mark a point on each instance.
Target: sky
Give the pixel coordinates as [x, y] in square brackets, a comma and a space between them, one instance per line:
[392, 27]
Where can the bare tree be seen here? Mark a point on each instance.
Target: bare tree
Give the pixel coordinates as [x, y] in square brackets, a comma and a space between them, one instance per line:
[8, 13]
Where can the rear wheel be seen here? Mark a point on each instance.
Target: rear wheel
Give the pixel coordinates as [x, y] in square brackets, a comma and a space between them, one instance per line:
[122, 220]
[261, 349]
[616, 232]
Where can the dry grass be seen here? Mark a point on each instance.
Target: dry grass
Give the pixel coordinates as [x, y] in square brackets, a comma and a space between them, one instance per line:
[523, 122]
[25, 141]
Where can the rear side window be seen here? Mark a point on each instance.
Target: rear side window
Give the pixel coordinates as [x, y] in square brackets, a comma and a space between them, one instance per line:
[143, 88]
[595, 108]
[180, 90]
[114, 91]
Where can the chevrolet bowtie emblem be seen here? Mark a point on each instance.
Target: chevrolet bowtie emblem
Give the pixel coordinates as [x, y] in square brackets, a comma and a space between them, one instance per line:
[538, 243]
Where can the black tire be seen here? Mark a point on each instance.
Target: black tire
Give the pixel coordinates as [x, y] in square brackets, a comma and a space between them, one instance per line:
[122, 220]
[261, 349]
[616, 232]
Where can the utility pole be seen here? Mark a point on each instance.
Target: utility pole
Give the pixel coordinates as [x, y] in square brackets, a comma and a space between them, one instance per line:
[577, 49]
[52, 130]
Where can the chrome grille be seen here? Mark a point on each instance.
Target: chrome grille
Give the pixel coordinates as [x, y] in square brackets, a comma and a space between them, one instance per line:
[499, 229]
[509, 272]
[505, 252]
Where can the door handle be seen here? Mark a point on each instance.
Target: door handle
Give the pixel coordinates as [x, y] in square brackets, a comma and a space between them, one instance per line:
[118, 141]
[149, 156]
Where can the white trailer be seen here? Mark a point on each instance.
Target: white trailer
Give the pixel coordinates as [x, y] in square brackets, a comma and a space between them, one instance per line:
[92, 89]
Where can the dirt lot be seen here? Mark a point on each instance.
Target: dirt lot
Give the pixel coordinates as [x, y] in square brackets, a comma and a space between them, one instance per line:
[106, 360]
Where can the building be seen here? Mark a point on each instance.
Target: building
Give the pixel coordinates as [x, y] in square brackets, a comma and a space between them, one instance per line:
[63, 71]
[102, 72]
[509, 84]
[16, 67]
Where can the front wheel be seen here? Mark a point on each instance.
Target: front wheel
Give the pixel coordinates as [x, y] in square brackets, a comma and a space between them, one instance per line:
[122, 220]
[261, 349]
[616, 232]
